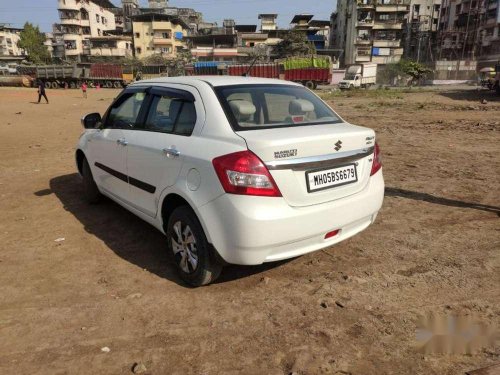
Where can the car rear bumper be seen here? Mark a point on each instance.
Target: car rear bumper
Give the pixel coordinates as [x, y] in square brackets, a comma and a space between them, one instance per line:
[252, 230]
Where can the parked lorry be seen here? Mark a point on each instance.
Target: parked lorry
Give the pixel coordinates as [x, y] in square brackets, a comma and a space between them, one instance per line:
[309, 71]
[359, 75]
[55, 76]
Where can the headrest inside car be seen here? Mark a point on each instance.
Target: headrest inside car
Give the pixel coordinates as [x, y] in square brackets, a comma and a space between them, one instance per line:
[242, 108]
[300, 107]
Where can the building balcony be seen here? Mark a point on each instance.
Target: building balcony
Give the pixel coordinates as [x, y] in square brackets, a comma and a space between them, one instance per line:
[386, 43]
[363, 58]
[365, 23]
[366, 4]
[393, 2]
[363, 41]
[393, 6]
[111, 52]
[162, 41]
[72, 21]
[386, 59]
[388, 25]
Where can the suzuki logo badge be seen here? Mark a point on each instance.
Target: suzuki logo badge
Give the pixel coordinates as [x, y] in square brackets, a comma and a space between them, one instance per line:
[338, 145]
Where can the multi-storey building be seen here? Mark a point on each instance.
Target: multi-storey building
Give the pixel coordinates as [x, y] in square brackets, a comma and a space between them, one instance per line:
[370, 30]
[460, 25]
[158, 33]
[79, 21]
[9, 36]
[489, 37]
[420, 30]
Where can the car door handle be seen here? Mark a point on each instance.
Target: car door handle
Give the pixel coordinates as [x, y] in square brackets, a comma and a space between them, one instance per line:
[171, 152]
[122, 141]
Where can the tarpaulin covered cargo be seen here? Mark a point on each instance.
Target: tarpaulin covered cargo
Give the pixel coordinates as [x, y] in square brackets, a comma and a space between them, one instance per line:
[306, 62]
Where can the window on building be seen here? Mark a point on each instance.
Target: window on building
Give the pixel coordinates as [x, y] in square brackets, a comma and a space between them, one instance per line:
[99, 32]
[103, 20]
[165, 35]
[138, 50]
[458, 8]
[97, 18]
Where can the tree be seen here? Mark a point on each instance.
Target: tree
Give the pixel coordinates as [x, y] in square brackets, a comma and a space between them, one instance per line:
[408, 71]
[32, 41]
[294, 43]
[414, 70]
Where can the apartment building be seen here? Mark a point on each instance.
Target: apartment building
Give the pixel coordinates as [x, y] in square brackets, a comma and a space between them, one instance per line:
[158, 33]
[81, 20]
[460, 23]
[469, 30]
[421, 29]
[489, 37]
[370, 30]
[9, 36]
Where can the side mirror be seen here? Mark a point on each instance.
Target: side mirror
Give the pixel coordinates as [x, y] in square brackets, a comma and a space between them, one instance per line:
[91, 120]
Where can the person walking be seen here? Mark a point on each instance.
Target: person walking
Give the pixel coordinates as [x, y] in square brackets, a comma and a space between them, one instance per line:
[41, 92]
[84, 89]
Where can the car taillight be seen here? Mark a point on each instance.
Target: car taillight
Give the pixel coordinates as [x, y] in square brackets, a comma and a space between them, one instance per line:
[377, 160]
[245, 174]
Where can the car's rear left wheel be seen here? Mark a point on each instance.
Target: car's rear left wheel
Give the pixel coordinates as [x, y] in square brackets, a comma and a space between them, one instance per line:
[90, 190]
[189, 248]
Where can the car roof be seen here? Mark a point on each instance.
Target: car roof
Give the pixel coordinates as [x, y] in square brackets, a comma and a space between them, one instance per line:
[216, 81]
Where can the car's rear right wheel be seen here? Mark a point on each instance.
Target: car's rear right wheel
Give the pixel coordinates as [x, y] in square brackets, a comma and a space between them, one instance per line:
[191, 252]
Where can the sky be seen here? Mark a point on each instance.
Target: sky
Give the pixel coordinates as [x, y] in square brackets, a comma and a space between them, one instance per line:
[44, 12]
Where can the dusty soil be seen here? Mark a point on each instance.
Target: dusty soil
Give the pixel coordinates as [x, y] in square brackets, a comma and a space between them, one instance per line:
[351, 309]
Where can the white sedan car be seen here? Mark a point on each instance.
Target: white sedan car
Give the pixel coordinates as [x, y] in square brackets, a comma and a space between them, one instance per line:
[232, 169]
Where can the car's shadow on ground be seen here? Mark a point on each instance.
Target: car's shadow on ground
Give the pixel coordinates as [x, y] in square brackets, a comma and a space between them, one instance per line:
[128, 236]
[415, 195]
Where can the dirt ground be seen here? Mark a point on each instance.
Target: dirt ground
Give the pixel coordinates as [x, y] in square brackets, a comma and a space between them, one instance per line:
[351, 309]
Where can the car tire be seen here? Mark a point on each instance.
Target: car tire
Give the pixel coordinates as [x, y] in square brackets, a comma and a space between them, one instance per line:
[187, 244]
[90, 191]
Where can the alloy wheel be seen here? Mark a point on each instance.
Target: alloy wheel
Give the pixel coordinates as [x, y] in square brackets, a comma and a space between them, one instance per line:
[184, 247]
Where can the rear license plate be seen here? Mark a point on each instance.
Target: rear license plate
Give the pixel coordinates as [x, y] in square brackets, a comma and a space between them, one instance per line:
[332, 177]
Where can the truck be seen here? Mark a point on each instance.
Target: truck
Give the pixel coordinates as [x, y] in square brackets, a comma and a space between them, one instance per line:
[72, 76]
[359, 75]
[309, 71]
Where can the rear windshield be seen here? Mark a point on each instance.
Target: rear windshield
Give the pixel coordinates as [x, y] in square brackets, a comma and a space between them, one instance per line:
[251, 107]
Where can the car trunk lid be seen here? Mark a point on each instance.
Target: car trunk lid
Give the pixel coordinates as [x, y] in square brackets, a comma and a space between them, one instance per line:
[300, 158]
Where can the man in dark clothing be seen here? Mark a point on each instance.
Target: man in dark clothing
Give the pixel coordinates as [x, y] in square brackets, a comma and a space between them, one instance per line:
[41, 92]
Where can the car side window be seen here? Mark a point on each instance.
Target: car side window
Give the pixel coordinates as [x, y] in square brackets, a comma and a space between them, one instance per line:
[170, 114]
[124, 112]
